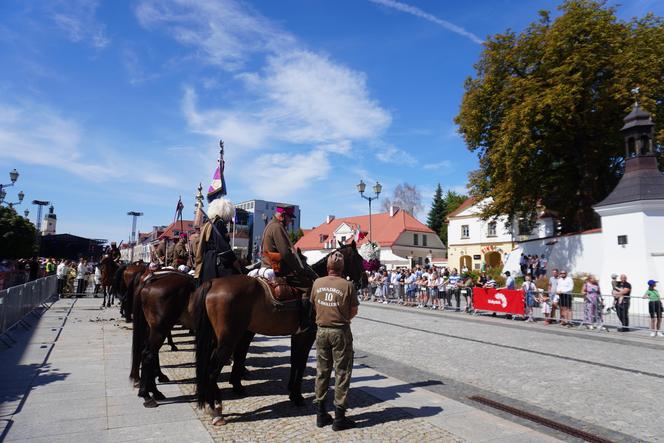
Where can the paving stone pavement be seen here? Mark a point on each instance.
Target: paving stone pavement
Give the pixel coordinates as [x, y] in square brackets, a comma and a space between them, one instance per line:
[66, 380]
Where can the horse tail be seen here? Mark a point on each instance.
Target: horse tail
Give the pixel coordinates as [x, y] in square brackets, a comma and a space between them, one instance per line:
[139, 337]
[204, 344]
[128, 299]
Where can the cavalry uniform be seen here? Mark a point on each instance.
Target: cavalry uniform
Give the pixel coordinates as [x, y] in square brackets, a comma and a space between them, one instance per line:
[279, 255]
[214, 256]
[180, 253]
[335, 301]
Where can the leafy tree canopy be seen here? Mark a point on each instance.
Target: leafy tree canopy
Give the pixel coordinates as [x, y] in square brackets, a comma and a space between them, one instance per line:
[545, 107]
[17, 235]
[452, 201]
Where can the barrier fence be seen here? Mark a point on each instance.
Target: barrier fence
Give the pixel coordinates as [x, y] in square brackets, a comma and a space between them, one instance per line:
[600, 315]
[17, 301]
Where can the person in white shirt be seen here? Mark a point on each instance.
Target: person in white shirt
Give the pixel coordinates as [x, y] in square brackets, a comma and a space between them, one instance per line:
[97, 279]
[530, 291]
[61, 273]
[564, 289]
[80, 277]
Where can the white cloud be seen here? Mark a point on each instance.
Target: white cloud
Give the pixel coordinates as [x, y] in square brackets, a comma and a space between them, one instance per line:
[392, 154]
[413, 10]
[445, 166]
[225, 33]
[38, 135]
[77, 18]
[277, 176]
[291, 99]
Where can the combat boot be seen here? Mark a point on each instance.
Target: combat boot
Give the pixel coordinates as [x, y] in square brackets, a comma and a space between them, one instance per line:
[341, 422]
[323, 418]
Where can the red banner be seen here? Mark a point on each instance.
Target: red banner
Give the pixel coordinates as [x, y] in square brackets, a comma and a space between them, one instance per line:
[508, 301]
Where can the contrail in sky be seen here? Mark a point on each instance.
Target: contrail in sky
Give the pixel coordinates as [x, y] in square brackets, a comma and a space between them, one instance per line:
[413, 10]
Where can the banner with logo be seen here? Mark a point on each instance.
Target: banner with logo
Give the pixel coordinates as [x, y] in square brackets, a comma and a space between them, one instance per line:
[508, 301]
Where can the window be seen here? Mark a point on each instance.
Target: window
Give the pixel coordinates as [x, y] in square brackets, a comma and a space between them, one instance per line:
[465, 231]
[491, 231]
[416, 239]
[424, 239]
[343, 239]
[524, 228]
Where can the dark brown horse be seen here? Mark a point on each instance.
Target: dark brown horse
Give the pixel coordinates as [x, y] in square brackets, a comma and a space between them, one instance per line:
[127, 279]
[232, 309]
[161, 301]
[108, 269]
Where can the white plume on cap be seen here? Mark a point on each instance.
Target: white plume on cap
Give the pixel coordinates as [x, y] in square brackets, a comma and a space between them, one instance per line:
[221, 208]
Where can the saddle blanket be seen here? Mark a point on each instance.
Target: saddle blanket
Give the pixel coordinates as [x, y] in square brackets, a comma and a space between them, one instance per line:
[266, 273]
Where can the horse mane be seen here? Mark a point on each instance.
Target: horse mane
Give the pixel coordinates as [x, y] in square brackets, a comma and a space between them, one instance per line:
[320, 267]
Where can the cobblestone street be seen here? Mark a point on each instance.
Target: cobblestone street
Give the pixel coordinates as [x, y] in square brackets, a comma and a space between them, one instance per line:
[412, 380]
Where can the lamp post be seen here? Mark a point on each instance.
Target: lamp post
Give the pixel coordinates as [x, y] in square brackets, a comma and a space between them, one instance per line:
[13, 176]
[26, 213]
[134, 216]
[361, 186]
[21, 196]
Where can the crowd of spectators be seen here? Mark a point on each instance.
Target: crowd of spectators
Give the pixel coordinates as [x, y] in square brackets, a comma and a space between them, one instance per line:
[73, 277]
[445, 288]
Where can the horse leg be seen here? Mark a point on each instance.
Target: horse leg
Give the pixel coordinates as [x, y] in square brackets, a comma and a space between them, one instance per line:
[169, 337]
[161, 377]
[103, 302]
[218, 358]
[300, 346]
[239, 359]
[149, 368]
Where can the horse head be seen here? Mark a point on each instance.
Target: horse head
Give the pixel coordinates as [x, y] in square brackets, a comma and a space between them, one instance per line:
[353, 264]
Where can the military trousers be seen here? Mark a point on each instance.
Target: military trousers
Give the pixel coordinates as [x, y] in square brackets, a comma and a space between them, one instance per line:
[334, 350]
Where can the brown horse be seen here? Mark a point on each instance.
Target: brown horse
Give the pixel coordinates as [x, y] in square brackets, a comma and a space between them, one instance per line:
[127, 279]
[160, 302]
[108, 269]
[232, 309]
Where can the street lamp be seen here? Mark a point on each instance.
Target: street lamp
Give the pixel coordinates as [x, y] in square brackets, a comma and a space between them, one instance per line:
[26, 213]
[377, 188]
[13, 176]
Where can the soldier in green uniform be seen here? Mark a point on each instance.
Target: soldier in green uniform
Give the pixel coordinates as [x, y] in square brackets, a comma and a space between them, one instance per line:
[279, 255]
[335, 302]
[180, 253]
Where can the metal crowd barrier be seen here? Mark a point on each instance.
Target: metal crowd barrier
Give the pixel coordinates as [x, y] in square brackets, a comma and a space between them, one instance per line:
[603, 317]
[18, 301]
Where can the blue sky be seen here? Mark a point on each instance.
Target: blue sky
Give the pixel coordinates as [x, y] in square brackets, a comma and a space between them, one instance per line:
[111, 106]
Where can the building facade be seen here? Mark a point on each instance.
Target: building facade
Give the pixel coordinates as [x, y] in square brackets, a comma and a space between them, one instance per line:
[251, 218]
[477, 244]
[403, 240]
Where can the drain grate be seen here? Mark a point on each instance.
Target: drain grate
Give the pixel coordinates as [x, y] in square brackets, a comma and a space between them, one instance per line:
[578, 433]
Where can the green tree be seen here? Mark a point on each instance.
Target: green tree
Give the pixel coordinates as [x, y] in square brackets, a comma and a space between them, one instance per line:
[545, 107]
[17, 235]
[452, 201]
[296, 235]
[438, 212]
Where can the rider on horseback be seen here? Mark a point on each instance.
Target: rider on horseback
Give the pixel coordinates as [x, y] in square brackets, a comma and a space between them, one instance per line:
[180, 253]
[214, 256]
[279, 255]
[114, 252]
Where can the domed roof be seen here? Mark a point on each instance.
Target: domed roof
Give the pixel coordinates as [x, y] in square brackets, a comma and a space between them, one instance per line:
[637, 117]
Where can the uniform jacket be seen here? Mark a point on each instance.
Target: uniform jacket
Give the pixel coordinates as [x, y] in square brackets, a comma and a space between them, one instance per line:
[275, 239]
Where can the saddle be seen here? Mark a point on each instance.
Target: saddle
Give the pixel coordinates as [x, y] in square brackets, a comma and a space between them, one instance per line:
[152, 276]
[284, 297]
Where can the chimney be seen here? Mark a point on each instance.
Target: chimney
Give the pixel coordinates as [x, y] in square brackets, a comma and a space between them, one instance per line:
[393, 210]
[329, 219]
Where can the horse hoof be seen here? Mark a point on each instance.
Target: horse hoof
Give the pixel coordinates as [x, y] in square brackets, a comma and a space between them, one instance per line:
[239, 390]
[150, 403]
[163, 378]
[296, 399]
[218, 421]
[159, 396]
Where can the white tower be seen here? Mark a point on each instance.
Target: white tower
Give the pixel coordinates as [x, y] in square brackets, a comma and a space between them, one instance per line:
[633, 214]
[48, 225]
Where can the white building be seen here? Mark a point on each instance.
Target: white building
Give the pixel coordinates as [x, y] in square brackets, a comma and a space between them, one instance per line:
[477, 244]
[49, 222]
